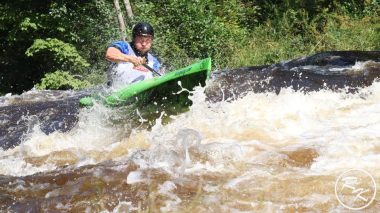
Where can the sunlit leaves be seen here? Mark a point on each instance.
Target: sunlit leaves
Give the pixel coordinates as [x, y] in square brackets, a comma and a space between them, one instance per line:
[61, 80]
[64, 54]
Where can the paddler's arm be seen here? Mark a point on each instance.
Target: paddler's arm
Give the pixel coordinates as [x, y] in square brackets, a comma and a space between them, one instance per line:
[115, 55]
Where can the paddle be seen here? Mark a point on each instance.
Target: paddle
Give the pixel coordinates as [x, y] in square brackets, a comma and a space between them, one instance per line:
[151, 69]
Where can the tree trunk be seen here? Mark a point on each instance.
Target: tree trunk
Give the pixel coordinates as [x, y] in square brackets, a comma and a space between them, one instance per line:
[128, 8]
[120, 19]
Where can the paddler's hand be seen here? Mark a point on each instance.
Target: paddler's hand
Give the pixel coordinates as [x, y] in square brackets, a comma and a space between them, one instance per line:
[137, 61]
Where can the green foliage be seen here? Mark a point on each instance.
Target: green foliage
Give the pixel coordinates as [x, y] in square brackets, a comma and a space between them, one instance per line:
[61, 80]
[27, 25]
[63, 54]
[269, 45]
[39, 37]
[290, 29]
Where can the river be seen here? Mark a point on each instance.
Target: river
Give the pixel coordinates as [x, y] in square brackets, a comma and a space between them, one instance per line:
[275, 138]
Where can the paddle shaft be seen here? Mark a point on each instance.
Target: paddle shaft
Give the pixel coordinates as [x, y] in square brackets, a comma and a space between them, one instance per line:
[151, 69]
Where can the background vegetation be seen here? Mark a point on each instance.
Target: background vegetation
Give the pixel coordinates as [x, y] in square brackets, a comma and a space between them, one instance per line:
[60, 44]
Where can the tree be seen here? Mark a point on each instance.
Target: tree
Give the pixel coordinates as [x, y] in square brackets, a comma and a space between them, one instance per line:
[129, 9]
[120, 18]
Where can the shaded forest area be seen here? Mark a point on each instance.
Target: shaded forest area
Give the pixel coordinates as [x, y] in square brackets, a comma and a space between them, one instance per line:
[61, 44]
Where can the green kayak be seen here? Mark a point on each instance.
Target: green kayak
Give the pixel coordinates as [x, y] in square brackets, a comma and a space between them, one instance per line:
[165, 87]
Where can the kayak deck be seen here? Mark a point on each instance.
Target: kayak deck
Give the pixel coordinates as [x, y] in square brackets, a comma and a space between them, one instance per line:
[159, 88]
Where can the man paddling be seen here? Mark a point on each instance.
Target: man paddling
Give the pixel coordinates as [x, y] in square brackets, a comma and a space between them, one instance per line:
[132, 61]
